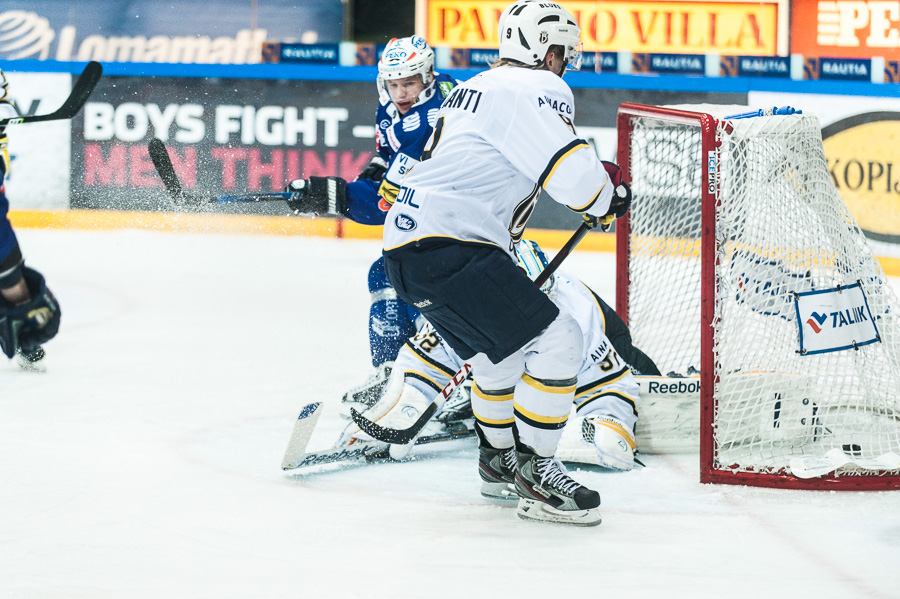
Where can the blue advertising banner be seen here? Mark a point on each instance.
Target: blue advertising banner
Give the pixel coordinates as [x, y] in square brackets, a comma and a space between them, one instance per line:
[669, 64]
[840, 69]
[201, 31]
[310, 53]
[756, 66]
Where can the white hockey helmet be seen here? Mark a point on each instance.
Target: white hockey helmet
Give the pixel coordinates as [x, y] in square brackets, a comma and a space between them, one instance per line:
[529, 27]
[404, 57]
[3, 84]
[532, 260]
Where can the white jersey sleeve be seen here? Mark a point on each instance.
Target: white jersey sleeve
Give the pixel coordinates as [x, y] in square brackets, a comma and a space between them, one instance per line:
[499, 138]
[539, 139]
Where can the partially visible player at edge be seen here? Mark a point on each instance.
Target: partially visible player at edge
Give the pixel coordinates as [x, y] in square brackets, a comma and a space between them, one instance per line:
[500, 138]
[29, 314]
[410, 93]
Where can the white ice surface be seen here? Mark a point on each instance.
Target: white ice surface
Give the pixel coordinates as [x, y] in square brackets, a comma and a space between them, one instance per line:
[145, 461]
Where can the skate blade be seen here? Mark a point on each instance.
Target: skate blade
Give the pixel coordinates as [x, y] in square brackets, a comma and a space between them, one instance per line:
[530, 509]
[504, 491]
[29, 365]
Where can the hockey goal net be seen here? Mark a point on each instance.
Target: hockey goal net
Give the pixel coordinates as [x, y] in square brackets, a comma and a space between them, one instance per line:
[739, 258]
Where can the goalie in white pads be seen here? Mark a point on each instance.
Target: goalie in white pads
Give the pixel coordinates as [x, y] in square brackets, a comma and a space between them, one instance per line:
[606, 401]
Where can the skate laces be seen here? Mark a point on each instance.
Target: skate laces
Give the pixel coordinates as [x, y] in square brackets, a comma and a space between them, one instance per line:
[554, 473]
[508, 459]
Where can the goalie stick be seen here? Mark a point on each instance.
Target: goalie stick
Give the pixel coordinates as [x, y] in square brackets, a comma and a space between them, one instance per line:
[163, 164]
[82, 89]
[402, 437]
[296, 456]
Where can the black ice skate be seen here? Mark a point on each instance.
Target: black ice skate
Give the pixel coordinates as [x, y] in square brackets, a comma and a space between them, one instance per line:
[497, 468]
[548, 494]
[458, 406]
[31, 359]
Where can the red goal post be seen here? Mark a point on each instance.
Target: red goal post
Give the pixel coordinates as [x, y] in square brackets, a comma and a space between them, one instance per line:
[735, 228]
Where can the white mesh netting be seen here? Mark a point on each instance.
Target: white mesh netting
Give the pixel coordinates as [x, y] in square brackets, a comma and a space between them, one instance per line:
[781, 227]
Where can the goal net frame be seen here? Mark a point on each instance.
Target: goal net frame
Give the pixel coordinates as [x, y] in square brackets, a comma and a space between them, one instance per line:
[709, 162]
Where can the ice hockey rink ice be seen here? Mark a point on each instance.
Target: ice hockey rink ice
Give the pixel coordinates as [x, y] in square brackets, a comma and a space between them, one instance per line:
[145, 461]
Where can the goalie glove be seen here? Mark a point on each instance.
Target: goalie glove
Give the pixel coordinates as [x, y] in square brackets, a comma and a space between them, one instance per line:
[26, 326]
[318, 195]
[374, 171]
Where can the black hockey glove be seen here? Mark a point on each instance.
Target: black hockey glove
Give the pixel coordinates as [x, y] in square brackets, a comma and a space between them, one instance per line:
[28, 325]
[374, 171]
[318, 195]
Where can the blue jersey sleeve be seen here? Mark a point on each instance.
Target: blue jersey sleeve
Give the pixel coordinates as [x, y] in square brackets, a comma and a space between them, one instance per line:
[10, 255]
[364, 205]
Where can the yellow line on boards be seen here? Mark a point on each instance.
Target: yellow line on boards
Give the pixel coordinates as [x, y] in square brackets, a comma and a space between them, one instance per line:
[250, 224]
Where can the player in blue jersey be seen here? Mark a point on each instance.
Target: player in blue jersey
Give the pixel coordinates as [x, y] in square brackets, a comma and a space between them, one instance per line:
[410, 95]
[29, 314]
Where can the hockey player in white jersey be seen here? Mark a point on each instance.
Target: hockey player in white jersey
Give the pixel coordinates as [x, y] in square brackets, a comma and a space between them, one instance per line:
[449, 247]
[606, 399]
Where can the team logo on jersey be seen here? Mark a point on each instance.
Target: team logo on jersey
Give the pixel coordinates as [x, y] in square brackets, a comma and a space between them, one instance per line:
[384, 124]
[445, 87]
[411, 122]
[405, 223]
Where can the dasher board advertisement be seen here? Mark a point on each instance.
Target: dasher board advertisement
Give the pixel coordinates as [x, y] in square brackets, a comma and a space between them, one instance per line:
[224, 32]
[846, 28]
[673, 27]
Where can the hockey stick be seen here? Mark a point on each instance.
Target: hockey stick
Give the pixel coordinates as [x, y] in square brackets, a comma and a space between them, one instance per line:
[295, 455]
[82, 89]
[402, 437]
[370, 450]
[163, 164]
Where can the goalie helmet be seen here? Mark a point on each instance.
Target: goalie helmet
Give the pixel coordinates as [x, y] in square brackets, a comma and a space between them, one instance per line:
[404, 57]
[529, 27]
[532, 260]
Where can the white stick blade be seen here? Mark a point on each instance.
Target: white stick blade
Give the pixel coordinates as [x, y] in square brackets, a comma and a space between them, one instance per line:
[300, 436]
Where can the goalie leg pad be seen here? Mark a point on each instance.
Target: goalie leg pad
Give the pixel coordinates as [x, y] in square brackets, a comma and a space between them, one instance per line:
[399, 408]
[612, 439]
